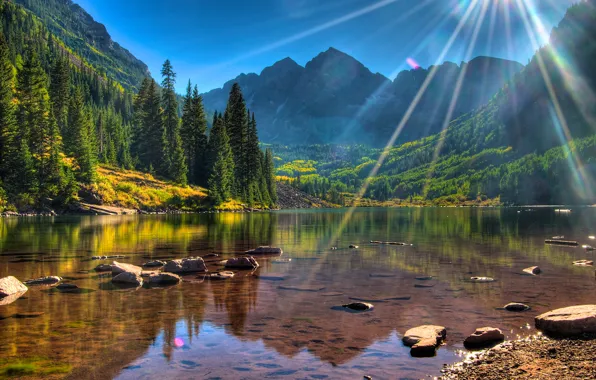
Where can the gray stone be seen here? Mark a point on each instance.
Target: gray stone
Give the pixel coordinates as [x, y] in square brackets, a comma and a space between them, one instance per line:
[67, 287]
[516, 306]
[187, 265]
[164, 279]
[242, 263]
[129, 278]
[10, 285]
[225, 275]
[154, 264]
[482, 279]
[49, 280]
[533, 270]
[118, 268]
[265, 251]
[103, 268]
[568, 321]
[484, 336]
[359, 306]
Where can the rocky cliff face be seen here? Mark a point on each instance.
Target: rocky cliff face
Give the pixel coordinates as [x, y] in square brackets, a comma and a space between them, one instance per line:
[335, 98]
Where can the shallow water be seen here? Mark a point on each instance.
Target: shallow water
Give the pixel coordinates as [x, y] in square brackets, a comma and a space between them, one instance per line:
[279, 321]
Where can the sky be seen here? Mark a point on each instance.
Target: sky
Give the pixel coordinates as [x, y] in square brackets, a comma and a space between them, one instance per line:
[211, 42]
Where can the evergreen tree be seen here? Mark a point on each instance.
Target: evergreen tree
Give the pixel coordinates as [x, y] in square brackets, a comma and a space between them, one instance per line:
[269, 174]
[194, 137]
[222, 172]
[237, 127]
[7, 111]
[82, 134]
[253, 162]
[174, 162]
[60, 90]
[151, 147]
[263, 188]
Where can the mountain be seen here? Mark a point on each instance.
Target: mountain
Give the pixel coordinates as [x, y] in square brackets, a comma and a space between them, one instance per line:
[335, 98]
[89, 39]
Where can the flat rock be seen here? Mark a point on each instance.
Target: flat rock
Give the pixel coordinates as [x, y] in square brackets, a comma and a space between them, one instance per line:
[516, 306]
[358, 306]
[118, 268]
[164, 279]
[433, 332]
[533, 270]
[103, 268]
[482, 279]
[303, 288]
[484, 336]
[583, 263]
[265, 251]
[154, 264]
[568, 321]
[426, 347]
[128, 278]
[242, 263]
[225, 275]
[10, 285]
[187, 265]
[382, 275]
[49, 280]
[424, 285]
[424, 278]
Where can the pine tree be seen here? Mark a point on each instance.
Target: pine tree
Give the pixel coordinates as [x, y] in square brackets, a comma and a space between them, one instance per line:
[253, 162]
[7, 111]
[194, 135]
[81, 133]
[269, 174]
[152, 149]
[60, 90]
[222, 172]
[237, 128]
[174, 162]
[263, 188]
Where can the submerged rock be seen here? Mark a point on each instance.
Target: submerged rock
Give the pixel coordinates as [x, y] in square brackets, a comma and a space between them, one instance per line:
[154, 264]
[533, 270]
[482, 279]
[516, 306]
[359, 306]
[128, 278]
[583, 263]
[425, 332]
[67, 287]
[49, 280]
[242, 263]
[266, 250]
[354, 246]
[164, 279]
[29, 314]
[11, 289]
[225, 275]
[484, 336]
[118, 268]
[187, 265]
[424, 348]
[568, 321]
[103, 268]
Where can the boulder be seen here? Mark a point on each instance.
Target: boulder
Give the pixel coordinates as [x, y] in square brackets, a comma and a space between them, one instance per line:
[265, 251]
[154, 264]
[49, 280]
[568, 321]
[221, 275]
[532, 270]
[128, 278]
[484, 336]
[516, 306]
[164, 279]
[10, 285]
[188, 265]
[424, 348]
[242, 263]
[103, 268]
[118, 268]
[359, 306]
[583, 263]
[432, 332]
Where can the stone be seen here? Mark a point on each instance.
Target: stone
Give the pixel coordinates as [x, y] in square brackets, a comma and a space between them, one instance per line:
[103, 268]
[242, 263]
[416, 334]
[482, 279]
[221, 275]
[354, 246]
[424, 278]
[424, 348]
[187, 265]
[128, 278]
[516, 306]
[533, 270]
[154, 264]
[10, 285]
[484, 336]
[583, 263]
[359, 306]
[265, 251]
[66, 287]
[568, 321]
[303, 288]
[164, 279]
[118, 268]
[49, 280]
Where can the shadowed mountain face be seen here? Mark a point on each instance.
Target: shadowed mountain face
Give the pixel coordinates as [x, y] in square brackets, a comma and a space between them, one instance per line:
[335, 98]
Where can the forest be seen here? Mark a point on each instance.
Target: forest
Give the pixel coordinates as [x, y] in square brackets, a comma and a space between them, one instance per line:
[60, 119]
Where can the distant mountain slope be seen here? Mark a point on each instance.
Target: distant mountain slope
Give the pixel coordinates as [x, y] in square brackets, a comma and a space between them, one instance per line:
[89, 39]
[335, 98]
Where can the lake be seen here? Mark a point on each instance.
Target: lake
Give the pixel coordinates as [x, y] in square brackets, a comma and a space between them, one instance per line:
[279, 321]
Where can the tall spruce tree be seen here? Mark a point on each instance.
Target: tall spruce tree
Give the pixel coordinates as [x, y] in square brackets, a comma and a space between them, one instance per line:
[253, 162]
[60, 90]
[200, 131]
[237, 127]
[81, 133]
[269, 174]
[8, 124]
[151, 147]
[222, 172]
[174, 163]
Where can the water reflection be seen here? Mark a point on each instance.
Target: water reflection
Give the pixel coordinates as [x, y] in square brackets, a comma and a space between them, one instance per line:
[279, 321]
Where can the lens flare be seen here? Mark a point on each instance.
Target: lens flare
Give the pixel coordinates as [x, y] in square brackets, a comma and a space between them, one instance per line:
[413, 64]
[178, 342]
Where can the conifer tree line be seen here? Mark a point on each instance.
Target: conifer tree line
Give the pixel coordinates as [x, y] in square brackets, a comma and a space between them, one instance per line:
[60, 119]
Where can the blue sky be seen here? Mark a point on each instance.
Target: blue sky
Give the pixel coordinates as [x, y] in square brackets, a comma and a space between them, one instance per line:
[211, 42]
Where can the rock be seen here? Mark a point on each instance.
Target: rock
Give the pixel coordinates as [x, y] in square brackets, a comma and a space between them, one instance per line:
[424, 285]
[188, 265]
[482, 279]
[221, 275]
[587, 247]
[242, 263]
[516, 306]
[484, 336]
[354, 246]
[49, 280]
[568, 321]
[265, 251]
[532, 270]
[382, 275]
[424, 278]
[164, 279]
[304, 288]
[67, 287]
[583, 263]
[118, 268]
[154, 264]
[10, 286]
[103, 268]
[32, 314]
[358, 306]
[129, 278]
[415, 335]
[424, 348]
